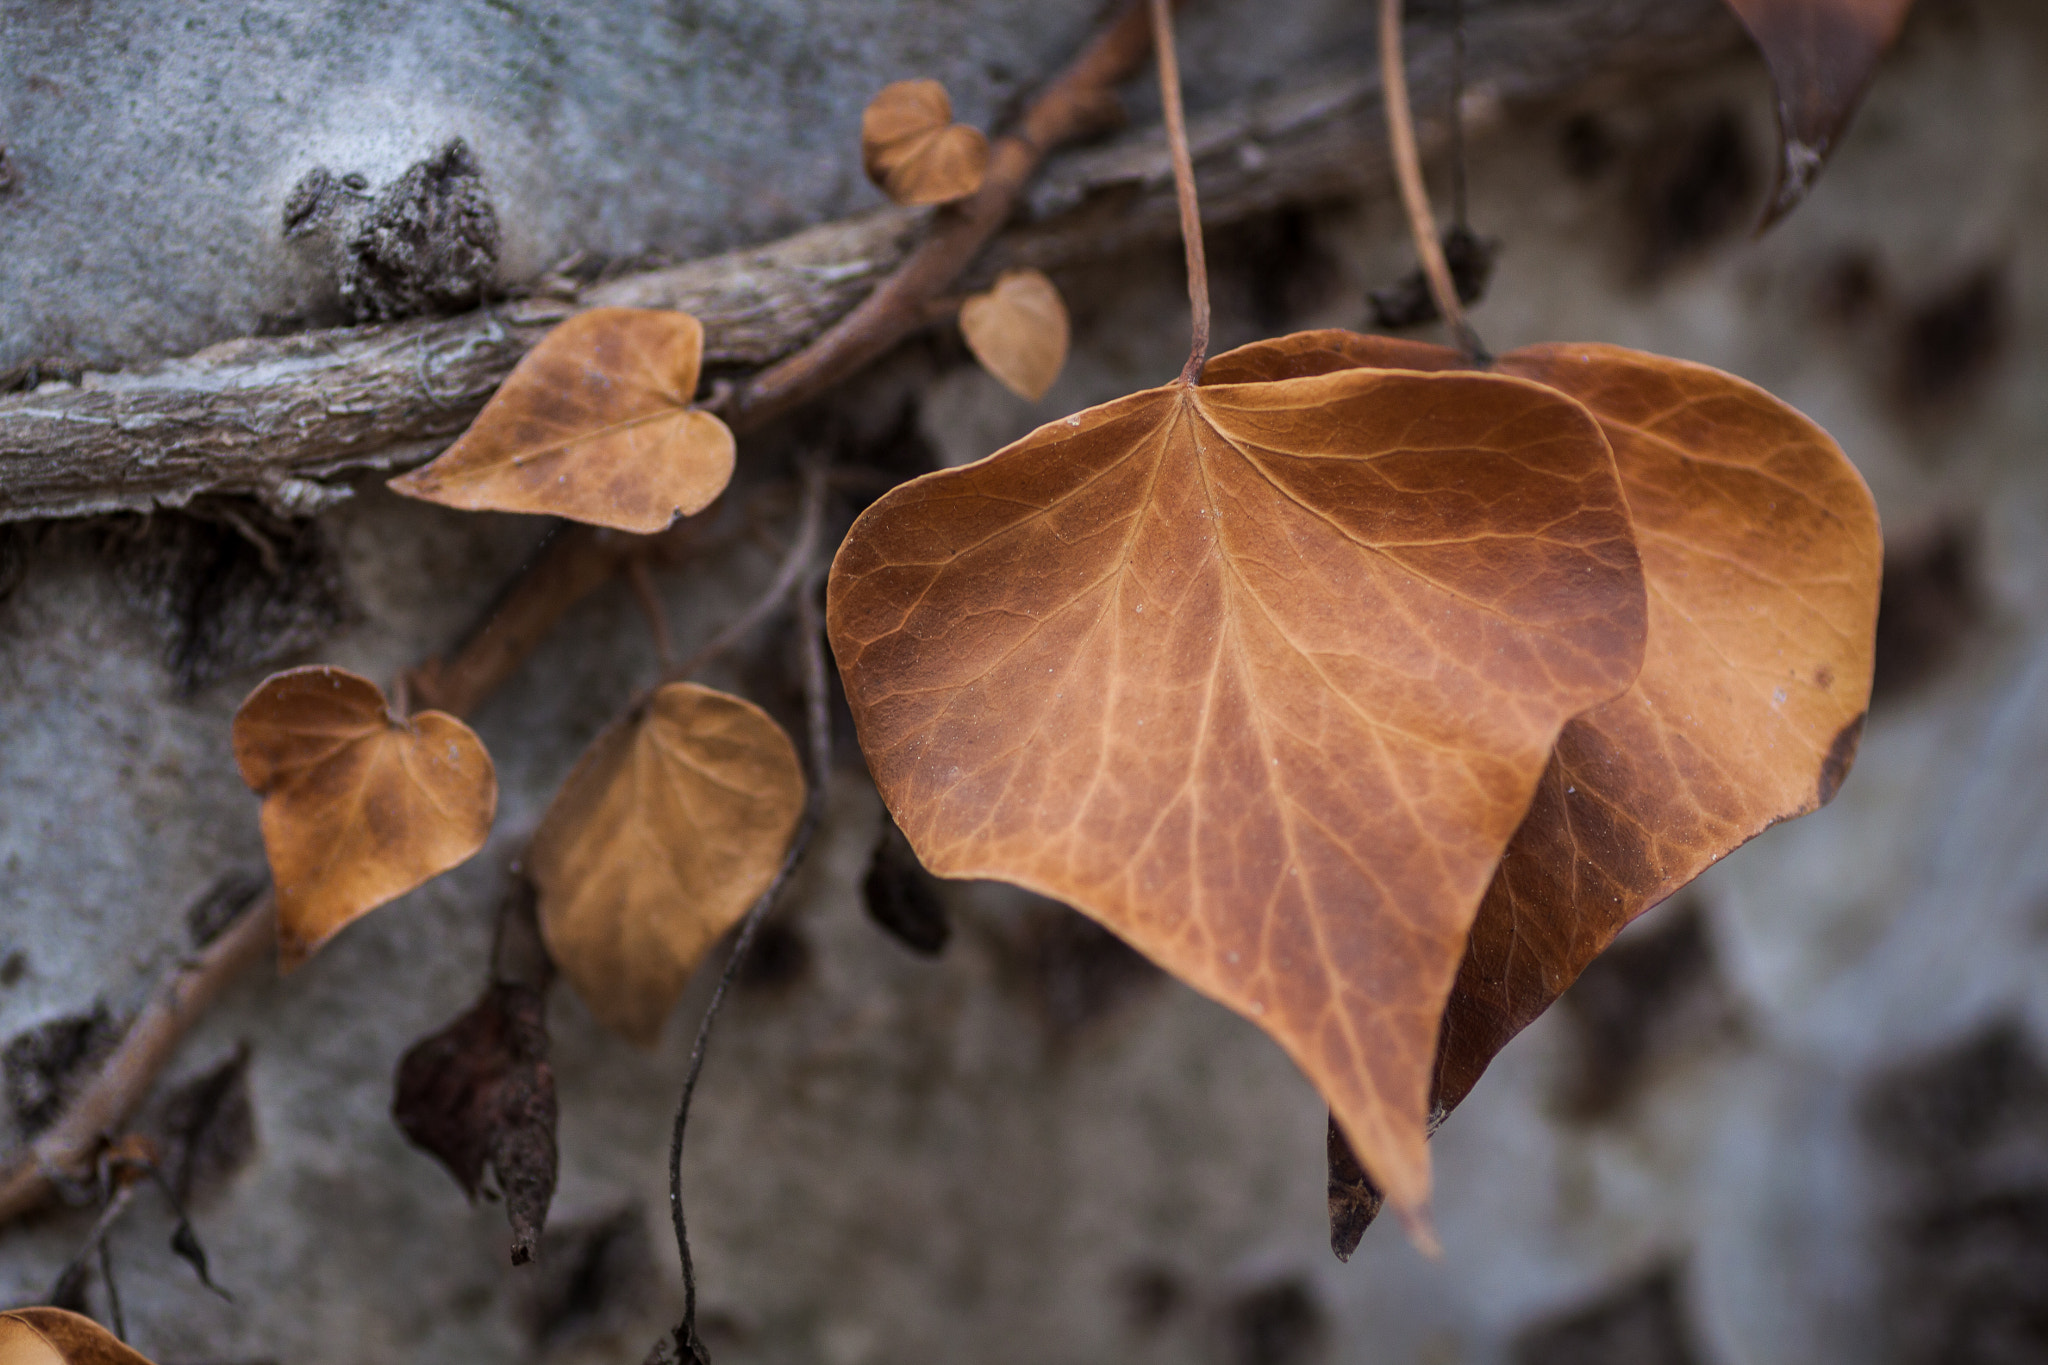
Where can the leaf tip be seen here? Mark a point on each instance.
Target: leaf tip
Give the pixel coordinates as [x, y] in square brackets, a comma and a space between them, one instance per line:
[1841, 755]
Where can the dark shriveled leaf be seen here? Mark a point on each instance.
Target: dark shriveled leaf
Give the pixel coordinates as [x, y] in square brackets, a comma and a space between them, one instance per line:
[1354, 1202]
[902, 897]
[1822, 54]
[480, 1093]
[1261, 677]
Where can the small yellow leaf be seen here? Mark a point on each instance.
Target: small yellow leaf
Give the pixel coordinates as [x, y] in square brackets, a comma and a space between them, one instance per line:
[52, 1336]
[595, 425]
[359, 807]
[672, 824]
[912, 148]
[1018, 331]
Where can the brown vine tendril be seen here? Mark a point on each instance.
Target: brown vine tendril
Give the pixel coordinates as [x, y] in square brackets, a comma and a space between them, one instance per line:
[818, 734]
[1414, 193]
[1184, 187]
[1458, 217]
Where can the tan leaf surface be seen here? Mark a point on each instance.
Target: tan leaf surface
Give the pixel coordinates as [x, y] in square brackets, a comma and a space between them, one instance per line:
[358, 807]
[52, 1336]
[1018, 331]
[672, 824]
[595, 425]
[1761, 550]
[912, 148]
[1760, 544]
[1822, 54]
[1262, 677]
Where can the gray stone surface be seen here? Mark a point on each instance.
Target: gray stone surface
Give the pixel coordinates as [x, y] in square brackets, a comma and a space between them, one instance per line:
[155, 144]
[898, 1159]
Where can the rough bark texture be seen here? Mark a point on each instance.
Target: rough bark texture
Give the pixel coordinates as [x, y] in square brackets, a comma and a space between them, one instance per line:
[276, 417]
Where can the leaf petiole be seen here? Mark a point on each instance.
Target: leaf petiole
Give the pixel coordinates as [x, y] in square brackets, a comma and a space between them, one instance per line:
[1414, 194]
[1184, 187]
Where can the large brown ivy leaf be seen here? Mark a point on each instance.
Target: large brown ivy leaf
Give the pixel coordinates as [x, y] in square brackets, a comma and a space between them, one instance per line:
[53, 1336]
[1761, 550]
[1822, 54]
[359, 806]
[1262, 677]
[672, 824]
[593, 424]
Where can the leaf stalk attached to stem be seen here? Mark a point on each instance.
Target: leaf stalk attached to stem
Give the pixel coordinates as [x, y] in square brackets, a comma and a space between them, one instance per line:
[1414, 193]
[1184, 187]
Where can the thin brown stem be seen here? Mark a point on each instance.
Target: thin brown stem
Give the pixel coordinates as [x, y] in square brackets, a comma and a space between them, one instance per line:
[1072, 106]
[1184, 187]
[573, 563]
[802, 553]
[1414, 193]
[67, 1150]
[1459, 221]
[687, 1345]
[650, 607]
[121, 1195]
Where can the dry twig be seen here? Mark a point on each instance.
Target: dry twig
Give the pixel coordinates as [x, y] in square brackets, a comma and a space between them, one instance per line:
[67, 1150]
[277, 416]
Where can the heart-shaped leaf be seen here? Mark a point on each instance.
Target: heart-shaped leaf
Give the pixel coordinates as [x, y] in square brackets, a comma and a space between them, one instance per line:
[1262, 677]
[593, 424]
[1822, 54]
[359, 806]
[53, 1336]
[912, 148]
[1762, 554]
[1018, 331]
[672, 824]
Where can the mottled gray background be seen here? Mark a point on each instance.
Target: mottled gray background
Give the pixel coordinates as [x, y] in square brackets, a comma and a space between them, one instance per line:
[1798, 1118]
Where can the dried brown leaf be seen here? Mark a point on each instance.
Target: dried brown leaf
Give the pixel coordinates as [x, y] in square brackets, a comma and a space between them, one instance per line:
[480, 1093]
[1260, 676]
[911, 147]
[1018, 331]
[1822, 54]
[21, 1344]
[54, 1336]
[1761, 549]
[595, 425]
[672, 824]
[359, 807]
